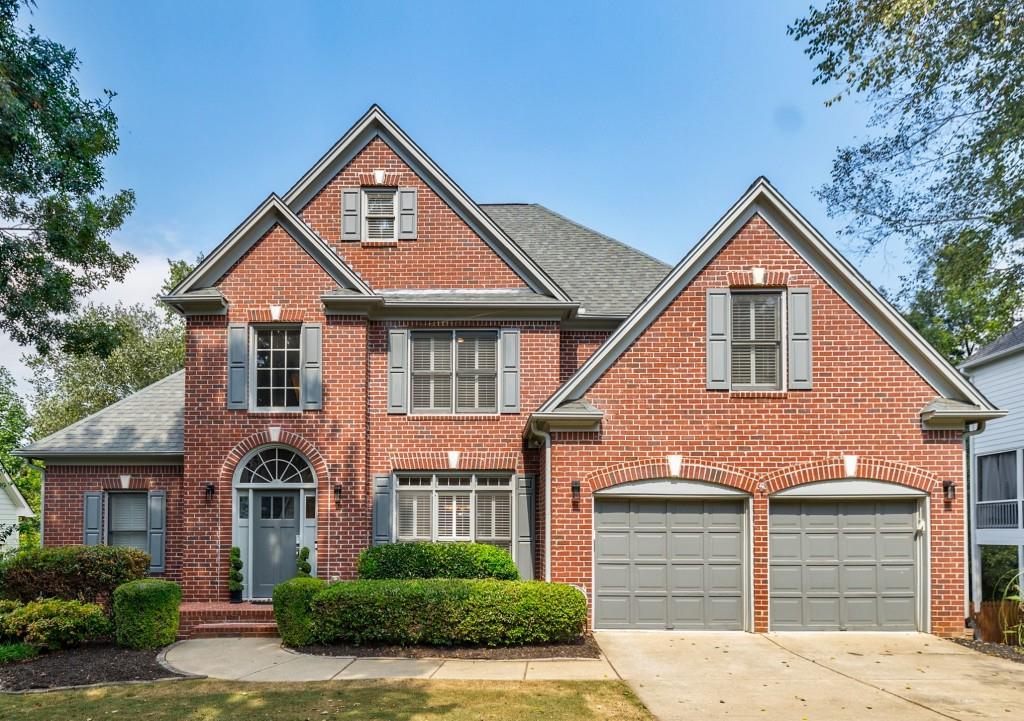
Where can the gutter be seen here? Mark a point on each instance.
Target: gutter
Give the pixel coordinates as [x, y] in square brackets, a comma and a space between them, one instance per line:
[971, 602]
[546, 437]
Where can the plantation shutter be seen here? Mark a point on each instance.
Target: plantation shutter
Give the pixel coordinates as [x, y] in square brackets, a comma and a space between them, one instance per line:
[382, 495]
[800, 338]
[414, 521]
[431, 365]
[351, 212]
[523, 554]
[156, 540]
[494, 519]
[238, 365]
[312, 366]
[398, 344]
[718, 338]
[510, 370]
[92, 522]
[453, 517]
[476, 372]
[407, 213]
[755, 334]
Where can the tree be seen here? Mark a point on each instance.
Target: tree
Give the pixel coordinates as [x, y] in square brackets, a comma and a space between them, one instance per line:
[54, 218]
[14, 426]
[944, 168]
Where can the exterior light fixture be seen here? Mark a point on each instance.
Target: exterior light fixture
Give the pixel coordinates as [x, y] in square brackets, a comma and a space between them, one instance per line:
[210, 490]
[948, 490]
[337, 494]
[575, 490]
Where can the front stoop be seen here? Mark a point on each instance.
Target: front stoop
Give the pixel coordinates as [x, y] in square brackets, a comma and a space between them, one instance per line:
[217, 618]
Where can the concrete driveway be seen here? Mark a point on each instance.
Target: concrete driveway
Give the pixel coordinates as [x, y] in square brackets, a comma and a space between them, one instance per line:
[813, 676]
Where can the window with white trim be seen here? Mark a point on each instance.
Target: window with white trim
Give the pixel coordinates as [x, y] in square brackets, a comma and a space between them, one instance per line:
[453, 508]
[379, 221]
[128, 520]
[756, 353]
[454, 369]
[277, 368]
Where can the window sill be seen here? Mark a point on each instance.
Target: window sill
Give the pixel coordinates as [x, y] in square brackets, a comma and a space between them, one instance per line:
[758, 394]
[275, 411]
[454, 416]
[379, 243]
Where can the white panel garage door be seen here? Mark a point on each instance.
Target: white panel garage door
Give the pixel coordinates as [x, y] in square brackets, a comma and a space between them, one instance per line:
[843, 565]
[669, 563]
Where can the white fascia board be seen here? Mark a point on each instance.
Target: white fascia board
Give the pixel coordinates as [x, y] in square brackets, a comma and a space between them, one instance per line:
[762, 199]
[21, 507]
[376, 123]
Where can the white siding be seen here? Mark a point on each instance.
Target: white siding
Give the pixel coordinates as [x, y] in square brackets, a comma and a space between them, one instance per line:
[7, 517]
[1002, 382]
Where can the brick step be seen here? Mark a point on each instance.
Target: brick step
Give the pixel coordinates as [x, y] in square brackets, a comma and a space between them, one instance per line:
[233, 628]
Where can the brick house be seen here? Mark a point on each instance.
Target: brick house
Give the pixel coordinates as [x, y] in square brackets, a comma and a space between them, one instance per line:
[752, 439]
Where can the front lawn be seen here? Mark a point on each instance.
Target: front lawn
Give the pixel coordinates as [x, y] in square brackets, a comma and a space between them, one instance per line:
[384, 700]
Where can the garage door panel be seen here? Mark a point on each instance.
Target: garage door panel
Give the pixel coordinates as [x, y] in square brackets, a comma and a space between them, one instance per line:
[650, 546]
[897, 579]
[612, 611]
[858, 515]
[821, 516]
[786, 579]
[896, 546]
[613, 578]
[686, 514]
[650, 514]
[612, 546]
[648, 578]
[688, 612]
[687, 579]
[787, 546]
[687, 546]
[861, 612]
[899, 514]
[723, 612]
[651, 611]
[725, 516]
[897, 613]
[726, 546]
[859, 579]
[858, 546]
[819, 546]
[725, 579]
[786, 612]
[821, 579]
[821, 612]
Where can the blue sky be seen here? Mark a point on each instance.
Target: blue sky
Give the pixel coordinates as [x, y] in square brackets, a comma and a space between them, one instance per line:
[645, 124]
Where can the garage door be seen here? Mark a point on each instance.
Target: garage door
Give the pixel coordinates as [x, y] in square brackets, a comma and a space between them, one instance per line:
[669, 563]
[843, 565]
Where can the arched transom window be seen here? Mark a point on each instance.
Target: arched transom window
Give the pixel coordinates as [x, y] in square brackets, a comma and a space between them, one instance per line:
[276, 465]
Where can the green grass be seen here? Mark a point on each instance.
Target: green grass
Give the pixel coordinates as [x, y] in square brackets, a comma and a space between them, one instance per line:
[11, 652]
[348, 700]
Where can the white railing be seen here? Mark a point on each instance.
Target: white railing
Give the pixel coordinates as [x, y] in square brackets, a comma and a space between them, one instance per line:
[998, 514]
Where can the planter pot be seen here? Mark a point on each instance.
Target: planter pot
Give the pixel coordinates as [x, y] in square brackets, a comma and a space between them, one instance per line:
[236, 596]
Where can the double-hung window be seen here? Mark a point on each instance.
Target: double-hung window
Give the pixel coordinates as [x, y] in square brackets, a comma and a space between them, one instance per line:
[454, 370]
[128, 520]
[756, 353]
[455, 508]
[277, 368]
[379, 214]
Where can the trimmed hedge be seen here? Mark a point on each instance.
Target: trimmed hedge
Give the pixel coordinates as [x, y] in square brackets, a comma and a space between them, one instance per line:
[54, 623]
[84, 573]
[424, 559]
[447, 612]
[146, 613]
[293, 609]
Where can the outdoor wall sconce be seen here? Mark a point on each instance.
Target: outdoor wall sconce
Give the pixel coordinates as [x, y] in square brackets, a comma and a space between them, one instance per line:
[337, 494]
[948, 490]
[210, 490]
[575, 490]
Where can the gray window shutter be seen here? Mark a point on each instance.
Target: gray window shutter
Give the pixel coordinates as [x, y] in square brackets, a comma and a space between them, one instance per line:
[524, 526]
[510, 370]
[92, 522]
[382, 494]
[718, 338]
[799, 324]
[238, 365]
[406, 213]
[398, 352]
[312, 366]
[351, 214]
[156, 537]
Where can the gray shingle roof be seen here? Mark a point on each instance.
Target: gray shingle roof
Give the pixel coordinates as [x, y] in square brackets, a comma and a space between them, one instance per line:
[1004, 343]
[149, 422]
[605, 276]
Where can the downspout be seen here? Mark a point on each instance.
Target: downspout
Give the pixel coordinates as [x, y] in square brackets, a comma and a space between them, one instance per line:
[546, 436]
[970, 601]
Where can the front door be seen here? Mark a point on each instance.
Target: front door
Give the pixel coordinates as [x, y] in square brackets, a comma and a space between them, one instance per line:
[273, 540]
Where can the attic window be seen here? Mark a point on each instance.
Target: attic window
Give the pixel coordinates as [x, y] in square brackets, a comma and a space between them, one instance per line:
[379, 215]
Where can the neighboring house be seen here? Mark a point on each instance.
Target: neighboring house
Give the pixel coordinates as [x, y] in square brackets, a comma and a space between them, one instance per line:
[997, 454]
[13, 507]
[753, 439]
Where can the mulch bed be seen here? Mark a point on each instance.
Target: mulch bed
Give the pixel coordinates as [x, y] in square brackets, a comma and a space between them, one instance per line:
[1002, 650]
[100, 663]
[585, 647]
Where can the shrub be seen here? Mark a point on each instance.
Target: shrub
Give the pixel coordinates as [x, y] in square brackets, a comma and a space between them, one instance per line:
[54, 623]
[146, 613]
[7, 607]
[292, 609]
[446, 612]
[302, 567]
[18, 651]
[436, 560]
[84, 573]
[235, 574]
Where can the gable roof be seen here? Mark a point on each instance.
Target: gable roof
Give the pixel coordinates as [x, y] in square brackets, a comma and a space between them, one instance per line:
[615, 277]
[764, 200]
[21, 507]
[1006, 344]
[375, 123]
[150, 423]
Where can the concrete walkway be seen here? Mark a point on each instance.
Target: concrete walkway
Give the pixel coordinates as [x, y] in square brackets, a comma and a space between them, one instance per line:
[263, 659]
[813, 676]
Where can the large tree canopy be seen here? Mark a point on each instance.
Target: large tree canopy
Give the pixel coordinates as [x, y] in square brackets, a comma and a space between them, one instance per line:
[943, 169]
[54, 218]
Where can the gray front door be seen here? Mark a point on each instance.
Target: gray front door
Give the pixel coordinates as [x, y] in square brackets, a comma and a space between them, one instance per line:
[843, 565]
[669, 563]
[275, 526]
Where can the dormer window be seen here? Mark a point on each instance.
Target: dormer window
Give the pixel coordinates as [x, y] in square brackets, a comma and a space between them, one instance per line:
[379, 214]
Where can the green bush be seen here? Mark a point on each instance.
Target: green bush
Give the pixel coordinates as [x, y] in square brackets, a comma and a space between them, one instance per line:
[18, 651]
[7, 607]
[146, 613]
[436, 560]
[53, 623]
[235, 573]
[292, 609]
[302, 566]
[84, 573]
[449, 612]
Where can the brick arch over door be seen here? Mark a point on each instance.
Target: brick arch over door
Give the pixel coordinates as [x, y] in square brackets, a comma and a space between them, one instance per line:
[285, 438]
[832, 469]
[691, 470]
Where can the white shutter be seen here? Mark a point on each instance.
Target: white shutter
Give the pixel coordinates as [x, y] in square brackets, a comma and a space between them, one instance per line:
[453, 517]
[494, 519]
[413, 515]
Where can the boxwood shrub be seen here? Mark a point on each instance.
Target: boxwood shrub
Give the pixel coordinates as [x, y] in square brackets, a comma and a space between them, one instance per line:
[293, 609]
[84, 573]
[54, 623]
[424, 559]
[146, 613]
[448, 612]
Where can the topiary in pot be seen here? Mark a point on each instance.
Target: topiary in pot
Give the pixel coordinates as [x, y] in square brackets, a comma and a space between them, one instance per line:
[302, 567]
[235, 585]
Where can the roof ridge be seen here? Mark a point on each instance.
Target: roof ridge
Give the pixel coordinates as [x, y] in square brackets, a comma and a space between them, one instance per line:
[587, 228]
